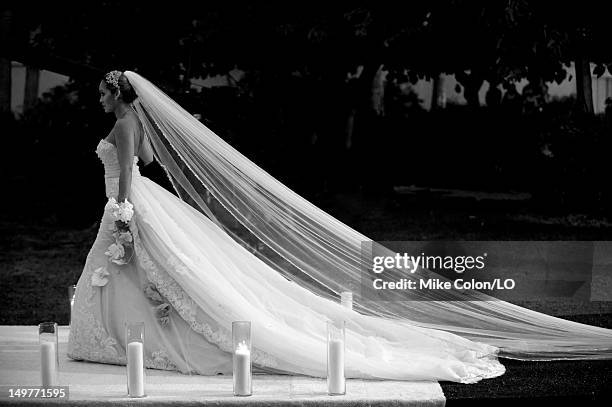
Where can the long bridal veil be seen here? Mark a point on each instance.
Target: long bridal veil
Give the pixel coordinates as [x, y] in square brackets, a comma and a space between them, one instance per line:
[306, 245]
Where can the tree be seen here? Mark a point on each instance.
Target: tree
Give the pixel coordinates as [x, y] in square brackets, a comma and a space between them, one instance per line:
[571, 34]
[476, 40]
[31, 87]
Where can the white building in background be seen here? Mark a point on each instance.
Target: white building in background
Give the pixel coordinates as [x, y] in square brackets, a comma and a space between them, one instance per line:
[232, 77]
[47, 80]
[602, 87]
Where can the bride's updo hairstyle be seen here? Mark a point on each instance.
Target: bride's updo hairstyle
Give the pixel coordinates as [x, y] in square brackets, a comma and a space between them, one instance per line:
[117, 81]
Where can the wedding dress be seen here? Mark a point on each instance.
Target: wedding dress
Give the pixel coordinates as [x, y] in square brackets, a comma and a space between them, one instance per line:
[194, 271]
[167, 234]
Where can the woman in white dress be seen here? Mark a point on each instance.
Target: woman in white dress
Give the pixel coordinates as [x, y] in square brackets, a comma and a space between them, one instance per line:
[188, 275]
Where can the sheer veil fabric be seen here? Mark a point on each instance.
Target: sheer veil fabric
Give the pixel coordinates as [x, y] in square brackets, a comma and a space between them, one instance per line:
[283, 263]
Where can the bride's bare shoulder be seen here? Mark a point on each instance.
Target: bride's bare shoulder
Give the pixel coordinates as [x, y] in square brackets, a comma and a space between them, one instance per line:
[126, 126]
[124, 130]
[128, 121]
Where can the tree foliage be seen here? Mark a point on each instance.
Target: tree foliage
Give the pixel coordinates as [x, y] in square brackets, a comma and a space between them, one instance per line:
[500, 40]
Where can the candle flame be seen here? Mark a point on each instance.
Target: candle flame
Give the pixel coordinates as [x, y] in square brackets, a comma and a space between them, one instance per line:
[242, 347]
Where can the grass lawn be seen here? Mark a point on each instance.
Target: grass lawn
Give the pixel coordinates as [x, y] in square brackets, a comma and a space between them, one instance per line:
[537, 383]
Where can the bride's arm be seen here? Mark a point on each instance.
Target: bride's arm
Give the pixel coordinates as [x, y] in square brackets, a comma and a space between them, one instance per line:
[124, 139]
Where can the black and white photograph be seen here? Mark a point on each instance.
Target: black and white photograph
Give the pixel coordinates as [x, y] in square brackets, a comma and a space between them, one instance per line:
[306, 203]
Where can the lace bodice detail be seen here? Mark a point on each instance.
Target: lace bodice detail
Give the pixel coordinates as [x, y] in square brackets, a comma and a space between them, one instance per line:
[107, 152]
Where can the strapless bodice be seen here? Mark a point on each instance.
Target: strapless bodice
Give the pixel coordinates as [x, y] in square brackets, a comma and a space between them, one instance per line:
[107, 152]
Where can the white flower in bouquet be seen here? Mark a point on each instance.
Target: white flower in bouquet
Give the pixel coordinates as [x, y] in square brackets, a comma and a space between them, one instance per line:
[124, 237]
[112, 203]
[121, 215]
[123, 211]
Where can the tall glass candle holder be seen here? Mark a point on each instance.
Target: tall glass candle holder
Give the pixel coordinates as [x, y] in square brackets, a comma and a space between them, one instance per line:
[346, 299]
[336, 383]
[134, 338]
[48, 339]
[242, 375]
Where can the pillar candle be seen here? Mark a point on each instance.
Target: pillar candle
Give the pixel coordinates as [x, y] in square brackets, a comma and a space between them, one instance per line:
[48, 364]
[335, 368]
[242, 371]
[135, 366]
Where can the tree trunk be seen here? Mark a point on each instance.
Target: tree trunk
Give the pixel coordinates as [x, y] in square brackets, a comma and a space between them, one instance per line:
[471, 93]
[584, 85]
[377, 96]
[363, 100]
[471, 86]
[5, 62]
[437, 93]
[374, 141]
[31, 87]
[350, 125]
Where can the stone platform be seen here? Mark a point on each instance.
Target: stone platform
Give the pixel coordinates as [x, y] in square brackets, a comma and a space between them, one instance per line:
[95, 384]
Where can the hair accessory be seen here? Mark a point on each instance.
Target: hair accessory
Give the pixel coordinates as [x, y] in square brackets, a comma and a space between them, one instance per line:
[112, 78]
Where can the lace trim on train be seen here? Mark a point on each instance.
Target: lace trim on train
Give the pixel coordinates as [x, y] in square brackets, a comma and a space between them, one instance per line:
[485, 367]
[160, 360]
[185, 306]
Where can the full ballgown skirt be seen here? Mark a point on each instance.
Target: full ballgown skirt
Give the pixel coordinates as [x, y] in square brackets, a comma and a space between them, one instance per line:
[209, 281]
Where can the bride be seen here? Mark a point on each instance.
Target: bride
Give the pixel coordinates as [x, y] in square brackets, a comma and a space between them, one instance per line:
[236, 244]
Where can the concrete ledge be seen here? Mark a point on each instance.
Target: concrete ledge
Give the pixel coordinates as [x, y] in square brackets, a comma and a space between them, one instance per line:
[95, 384]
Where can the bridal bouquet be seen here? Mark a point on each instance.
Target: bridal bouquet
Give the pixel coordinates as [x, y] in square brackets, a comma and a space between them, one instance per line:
[122, 214]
